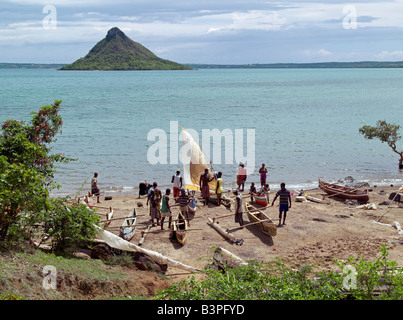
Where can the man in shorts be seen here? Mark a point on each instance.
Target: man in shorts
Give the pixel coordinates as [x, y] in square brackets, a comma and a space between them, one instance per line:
[285, 202]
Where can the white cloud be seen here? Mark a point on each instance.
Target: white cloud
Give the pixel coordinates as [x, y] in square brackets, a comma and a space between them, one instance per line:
[292, 26]
[321, 53]
[390, 55]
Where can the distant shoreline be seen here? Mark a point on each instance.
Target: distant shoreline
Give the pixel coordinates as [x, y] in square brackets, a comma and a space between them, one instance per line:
[317, 65]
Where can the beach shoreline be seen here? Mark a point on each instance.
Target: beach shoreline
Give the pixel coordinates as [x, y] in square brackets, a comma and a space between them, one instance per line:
[315, 233]
[134, 190]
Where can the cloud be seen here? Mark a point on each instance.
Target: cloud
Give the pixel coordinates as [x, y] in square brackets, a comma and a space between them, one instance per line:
[321, 53]
[390, 55]
[296, 28]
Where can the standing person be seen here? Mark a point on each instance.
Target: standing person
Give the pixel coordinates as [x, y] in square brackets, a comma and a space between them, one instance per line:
[94, 186]
[219, 188]
[263, 175]
[166, 209]
[241, 176]
[183, 204]
[158, 198]
[177, 181]
[204, 187]
[285, 202]
[154, 212]
[238, 208]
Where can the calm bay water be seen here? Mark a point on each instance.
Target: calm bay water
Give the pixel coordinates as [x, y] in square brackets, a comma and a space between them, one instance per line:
[306, 121]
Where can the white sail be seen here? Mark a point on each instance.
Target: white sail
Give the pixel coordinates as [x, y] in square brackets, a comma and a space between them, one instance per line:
[194, 163]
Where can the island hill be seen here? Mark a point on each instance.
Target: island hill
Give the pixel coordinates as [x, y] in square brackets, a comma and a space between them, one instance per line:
[118, 52]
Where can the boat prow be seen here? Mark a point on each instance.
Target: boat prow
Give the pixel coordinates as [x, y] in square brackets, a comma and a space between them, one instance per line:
[179, 228]
[128, 226]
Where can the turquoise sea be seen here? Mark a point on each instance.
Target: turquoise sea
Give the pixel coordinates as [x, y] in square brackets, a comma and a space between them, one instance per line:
[306, 121]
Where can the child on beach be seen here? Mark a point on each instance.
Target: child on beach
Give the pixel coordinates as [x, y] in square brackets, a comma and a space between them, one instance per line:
[165, 209]
[252, 191]
[285, 202]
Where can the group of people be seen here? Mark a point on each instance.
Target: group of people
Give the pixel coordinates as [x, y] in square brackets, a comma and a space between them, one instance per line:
[283, 193]
[160, 207]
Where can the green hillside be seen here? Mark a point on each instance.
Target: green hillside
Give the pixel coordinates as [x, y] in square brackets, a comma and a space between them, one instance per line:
[118, 52]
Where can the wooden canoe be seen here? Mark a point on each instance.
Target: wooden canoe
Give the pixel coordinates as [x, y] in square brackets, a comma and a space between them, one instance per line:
[261, 200]
[257, 216]
[179, 227]
[344, 192]
[128, 226]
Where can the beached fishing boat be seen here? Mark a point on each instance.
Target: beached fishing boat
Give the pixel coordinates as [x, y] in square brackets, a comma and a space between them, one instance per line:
[128, 226]
[344, 192]
[261, 220]
[179, 227]
[192, 206]
[261, 200]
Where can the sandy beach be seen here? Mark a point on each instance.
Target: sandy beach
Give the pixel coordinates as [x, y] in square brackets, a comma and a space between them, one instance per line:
[314, 234]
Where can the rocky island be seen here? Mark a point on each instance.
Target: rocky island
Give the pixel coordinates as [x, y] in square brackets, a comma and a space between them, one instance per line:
[118, 52]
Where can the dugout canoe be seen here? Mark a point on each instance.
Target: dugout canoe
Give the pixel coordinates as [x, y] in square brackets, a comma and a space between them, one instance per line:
[179, 227]
[128, 226]
[344, 192]
[261, 220]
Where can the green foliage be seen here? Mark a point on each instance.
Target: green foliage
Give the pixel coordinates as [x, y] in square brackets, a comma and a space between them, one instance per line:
[66, 225]
[385, 132]
[26, 166]
[11, 296]
[256, 282]
[381, 275]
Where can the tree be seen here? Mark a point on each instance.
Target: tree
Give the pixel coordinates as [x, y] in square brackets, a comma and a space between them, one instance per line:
[386, 132]
[26, 167]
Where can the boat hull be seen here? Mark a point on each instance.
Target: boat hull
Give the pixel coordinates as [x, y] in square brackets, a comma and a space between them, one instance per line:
[179, 227]
[255, 215]
[261, 201]
[344, 192]
[128, 226]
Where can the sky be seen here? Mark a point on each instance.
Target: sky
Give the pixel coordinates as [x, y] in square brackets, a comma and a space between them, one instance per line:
[206, 31]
